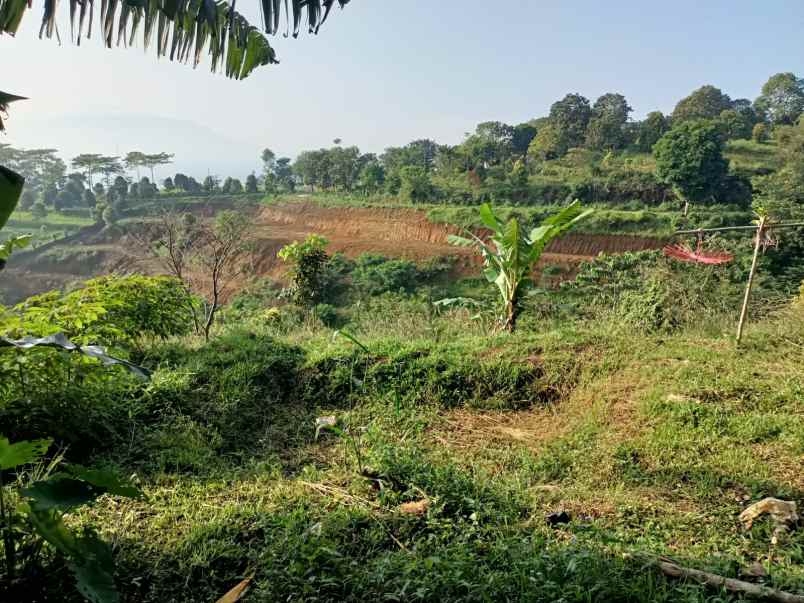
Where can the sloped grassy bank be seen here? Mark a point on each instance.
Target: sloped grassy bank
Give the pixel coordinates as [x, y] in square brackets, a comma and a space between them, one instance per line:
[652, 444]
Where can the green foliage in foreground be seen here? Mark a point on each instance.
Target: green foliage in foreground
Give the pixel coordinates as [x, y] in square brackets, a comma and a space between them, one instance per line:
[36, 513]
[107, 310]
[653, 439]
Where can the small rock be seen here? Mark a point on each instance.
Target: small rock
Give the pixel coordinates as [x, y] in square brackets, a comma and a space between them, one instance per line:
[554, 519]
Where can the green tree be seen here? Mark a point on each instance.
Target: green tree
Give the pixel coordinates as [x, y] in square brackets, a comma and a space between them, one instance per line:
[570, 117]
[147, 188]
[491, 144]
[89, 199]
[307, 260]
[415, 184]
[509, 263]
[521, 139]
[232, 186]
[651, 130]
[90, 164]
[168, 185]
[134, 161]
[782, 99]
[760, 134]
[690, 159]
[110, 167]
[606, 129]
[251, 183]
[547, 144]
[210, 185]
[27, 199]
[735, 124]
[268, 162]
[372, 177]
[39, 211]
[153, 161]
[707, 102]
[284, 174]
[346, 165]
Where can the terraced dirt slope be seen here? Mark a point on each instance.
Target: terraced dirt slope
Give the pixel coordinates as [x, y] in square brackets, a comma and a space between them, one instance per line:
[393, 232]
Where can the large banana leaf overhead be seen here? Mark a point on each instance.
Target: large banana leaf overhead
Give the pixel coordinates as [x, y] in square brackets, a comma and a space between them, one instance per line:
[184, 29]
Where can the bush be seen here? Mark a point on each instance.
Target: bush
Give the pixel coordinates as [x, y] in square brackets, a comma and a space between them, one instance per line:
[110, 310]
[426, 374]
[652, 293]
[375, 275]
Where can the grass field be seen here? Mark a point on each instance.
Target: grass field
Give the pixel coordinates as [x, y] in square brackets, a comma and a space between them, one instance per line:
[652, 447]
[457, 447]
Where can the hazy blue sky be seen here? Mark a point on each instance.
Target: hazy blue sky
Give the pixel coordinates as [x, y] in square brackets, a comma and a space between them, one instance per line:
[385, 72]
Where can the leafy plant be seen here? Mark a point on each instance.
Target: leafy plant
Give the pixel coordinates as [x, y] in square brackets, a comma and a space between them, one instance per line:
[59, 341]
[38, 512]
[509, 264]
[374, 274]
[351, 436]
[108, 310]
[307, 260]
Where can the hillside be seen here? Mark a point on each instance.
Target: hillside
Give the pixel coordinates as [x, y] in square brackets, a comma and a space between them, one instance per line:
[416, 234]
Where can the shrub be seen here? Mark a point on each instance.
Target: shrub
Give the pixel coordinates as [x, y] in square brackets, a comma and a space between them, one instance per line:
[374, 274]
[651, 293]
[109, 310]
[307, 261]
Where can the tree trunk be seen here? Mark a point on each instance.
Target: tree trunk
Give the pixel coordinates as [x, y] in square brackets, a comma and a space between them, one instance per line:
[511, 314]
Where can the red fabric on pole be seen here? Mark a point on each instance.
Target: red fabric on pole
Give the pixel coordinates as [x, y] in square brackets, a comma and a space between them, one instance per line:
[685, 253]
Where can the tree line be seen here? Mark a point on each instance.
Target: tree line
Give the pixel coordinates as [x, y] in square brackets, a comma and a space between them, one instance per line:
[583, 149]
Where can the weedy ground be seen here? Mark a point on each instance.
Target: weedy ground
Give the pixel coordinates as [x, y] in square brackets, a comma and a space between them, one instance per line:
[652, 444]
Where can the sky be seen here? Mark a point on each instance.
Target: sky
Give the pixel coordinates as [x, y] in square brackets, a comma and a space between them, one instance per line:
[383, 73]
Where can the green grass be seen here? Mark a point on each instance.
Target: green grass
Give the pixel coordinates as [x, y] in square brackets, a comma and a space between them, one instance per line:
[653, 444]
[53, 226]
[752, 157]
[652, 438]
[53, 218]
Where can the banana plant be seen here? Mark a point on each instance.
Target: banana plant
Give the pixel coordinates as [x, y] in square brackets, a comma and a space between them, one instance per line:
[510, 261]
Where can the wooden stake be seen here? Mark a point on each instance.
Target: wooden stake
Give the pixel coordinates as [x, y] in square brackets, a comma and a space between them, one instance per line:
[744, 311]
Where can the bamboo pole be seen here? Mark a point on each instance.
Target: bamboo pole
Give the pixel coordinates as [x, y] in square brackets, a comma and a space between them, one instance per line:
[744, 311]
